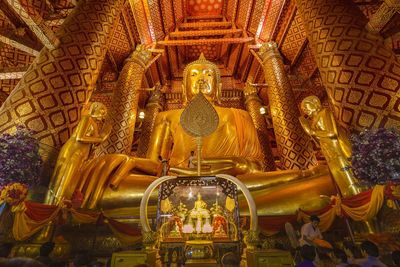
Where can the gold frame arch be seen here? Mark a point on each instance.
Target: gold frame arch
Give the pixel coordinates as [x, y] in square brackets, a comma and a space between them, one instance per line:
[146, 196]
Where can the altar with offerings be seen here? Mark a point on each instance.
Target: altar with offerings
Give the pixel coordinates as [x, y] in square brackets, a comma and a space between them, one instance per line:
[197, 219]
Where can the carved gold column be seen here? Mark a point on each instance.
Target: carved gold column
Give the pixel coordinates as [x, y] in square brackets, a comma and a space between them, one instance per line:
[382, 16]
[294, 145]
[122, 115]
[153, 107]
[253, 104]
[360, 74]
[49, 97]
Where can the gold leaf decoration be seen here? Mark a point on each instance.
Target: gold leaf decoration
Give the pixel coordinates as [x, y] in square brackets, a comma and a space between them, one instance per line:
[199, 118]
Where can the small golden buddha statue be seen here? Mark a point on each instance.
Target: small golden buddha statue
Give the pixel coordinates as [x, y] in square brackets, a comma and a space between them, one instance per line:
[219, 225]
[176, 231]
[201, 215]
[116, 182]
[334, 144]
[219, 221]
[75, 152]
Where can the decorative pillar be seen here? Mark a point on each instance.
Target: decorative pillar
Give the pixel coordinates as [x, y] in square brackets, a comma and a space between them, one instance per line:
[382, 16]
[122, 115]
[49, 97]
[294, 145]
[360, 74]
[253, 104]
[153, 107]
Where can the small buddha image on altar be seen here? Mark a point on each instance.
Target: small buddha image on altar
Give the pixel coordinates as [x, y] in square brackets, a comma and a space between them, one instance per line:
[201, 215]
[197, 212]
[220, 224]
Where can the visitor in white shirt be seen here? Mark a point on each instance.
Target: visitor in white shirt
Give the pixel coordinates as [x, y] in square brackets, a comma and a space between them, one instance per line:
[191, 159]
[310, 232]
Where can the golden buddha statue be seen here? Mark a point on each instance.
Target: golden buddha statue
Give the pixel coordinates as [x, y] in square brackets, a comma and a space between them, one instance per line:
[201, 215]
[75, 152]
[116, 182]
[199, 204]
[334, 144]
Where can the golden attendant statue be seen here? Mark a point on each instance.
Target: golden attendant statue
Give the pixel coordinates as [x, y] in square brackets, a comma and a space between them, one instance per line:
[75, 152]
[334, 144]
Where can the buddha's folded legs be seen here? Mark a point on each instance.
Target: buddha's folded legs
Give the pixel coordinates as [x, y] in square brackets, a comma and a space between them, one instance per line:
[275, 193]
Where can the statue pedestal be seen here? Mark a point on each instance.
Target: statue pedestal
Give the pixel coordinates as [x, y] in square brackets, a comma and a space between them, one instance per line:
[134, 257]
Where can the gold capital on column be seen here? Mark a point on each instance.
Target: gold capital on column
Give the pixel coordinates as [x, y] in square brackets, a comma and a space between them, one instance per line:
[361, 75]
[253, 104]
[122, 115]
[294, 145]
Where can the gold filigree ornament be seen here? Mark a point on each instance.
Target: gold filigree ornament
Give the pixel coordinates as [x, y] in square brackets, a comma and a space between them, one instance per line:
[199, 118]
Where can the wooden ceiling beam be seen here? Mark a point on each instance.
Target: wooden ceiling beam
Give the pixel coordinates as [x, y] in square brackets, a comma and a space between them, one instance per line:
[299, 53]
[11, 16]
[58, 17]
[204, 33]
[205, 17]
[19, 43]
[12, 73]
[206, 41]
[36, 23]
[193, 25]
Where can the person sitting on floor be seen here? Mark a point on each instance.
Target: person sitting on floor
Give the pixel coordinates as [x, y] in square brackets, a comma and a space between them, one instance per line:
[339, 257]
[5, 250]
[44, 254]
[21, 262]
[352, 251]
[308, 254]
[371, 253]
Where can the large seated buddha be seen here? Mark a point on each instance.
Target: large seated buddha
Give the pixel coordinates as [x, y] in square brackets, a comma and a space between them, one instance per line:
[116, 182]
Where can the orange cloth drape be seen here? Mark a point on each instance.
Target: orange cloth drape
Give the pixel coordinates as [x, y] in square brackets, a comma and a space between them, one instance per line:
[30, 217]
[361, 207]
[124, 232]
[368, 210]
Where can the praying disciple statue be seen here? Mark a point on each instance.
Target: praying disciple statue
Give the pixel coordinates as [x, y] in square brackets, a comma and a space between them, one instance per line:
[75, 152]
[335, 147]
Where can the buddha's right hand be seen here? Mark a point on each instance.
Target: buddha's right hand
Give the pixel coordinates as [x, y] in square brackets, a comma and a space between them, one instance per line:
[227, 165]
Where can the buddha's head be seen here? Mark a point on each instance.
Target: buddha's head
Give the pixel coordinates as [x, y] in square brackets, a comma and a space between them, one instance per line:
[202, 76]
[97, 110]
[310, 105]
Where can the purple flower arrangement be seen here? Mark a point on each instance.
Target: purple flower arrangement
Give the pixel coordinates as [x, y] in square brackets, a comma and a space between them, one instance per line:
[376, 155]
[20, 161]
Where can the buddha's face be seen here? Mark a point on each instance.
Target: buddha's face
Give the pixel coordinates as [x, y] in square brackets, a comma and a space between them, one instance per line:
[201, 78]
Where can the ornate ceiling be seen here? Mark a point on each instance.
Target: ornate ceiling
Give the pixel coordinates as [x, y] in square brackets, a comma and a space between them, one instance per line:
[228, 32]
